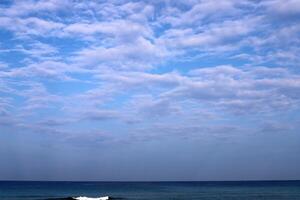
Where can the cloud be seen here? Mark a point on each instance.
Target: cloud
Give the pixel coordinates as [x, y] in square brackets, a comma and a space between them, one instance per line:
[201, 10]
[243, 90]
[5, 105]
[54, 122]
[37, 98]
[290, 8]
[226, 70]
[215, 37]
[141, 54]
[130, 29]
[99, 115]
[3, 65]
[136, 79]
[137, 64]
[21, 8]
[149, 82]
[240, 90]
[146, 106]
[276, 127]
[48, 69]
[31, 26]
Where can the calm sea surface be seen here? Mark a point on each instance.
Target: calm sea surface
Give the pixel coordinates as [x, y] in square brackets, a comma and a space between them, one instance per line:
[239, 190]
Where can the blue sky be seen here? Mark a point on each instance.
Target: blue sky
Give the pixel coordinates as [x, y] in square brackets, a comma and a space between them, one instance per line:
[149, 90]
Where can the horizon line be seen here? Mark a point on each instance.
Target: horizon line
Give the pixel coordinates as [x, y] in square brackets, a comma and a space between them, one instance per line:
[149, 181]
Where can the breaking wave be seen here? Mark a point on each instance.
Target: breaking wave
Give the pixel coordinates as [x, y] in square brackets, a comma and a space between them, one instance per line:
[83, 198]
[89, 198]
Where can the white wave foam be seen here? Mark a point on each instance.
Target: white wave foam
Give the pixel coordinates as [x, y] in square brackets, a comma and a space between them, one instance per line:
[89, 198]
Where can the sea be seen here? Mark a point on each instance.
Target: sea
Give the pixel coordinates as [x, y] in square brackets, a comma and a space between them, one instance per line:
[204, 190]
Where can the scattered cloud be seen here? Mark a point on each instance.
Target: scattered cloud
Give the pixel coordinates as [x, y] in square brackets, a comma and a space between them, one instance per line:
[195, 67]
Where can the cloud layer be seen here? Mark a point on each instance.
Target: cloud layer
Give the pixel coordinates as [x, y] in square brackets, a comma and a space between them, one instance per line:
[119, 72]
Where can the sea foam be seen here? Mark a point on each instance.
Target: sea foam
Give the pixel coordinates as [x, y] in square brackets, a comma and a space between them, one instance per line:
[89, 198]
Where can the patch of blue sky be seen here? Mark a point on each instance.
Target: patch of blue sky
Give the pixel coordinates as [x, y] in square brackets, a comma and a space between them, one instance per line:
[68, 88]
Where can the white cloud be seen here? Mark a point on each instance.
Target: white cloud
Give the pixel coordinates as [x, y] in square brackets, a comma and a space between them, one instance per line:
[44, 69]
[142, 62]
[21, 8]
[129, 29]
[215, 37]
[140, 54]
[31, 26]
[203, 9]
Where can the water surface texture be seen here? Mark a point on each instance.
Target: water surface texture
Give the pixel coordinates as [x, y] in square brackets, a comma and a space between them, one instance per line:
[244, 190]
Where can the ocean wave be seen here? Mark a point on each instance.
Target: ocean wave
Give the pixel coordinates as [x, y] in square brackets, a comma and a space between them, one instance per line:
[89, 198]
[62, 198]
[81, 198]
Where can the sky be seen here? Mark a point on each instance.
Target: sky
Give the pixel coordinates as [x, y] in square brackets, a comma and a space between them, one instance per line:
[149, 90]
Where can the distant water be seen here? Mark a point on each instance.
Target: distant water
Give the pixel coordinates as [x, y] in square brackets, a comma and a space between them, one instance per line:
[238, 190]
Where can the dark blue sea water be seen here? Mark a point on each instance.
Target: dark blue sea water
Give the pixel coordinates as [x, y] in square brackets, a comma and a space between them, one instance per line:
[238, 190]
